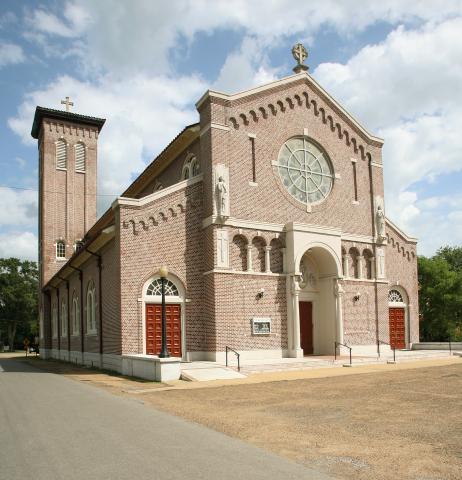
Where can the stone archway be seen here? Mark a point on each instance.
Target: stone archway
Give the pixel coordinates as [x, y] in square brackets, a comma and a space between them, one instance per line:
[316, 313]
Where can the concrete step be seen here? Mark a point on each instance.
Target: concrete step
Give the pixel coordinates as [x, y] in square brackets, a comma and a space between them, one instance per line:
[206, 374]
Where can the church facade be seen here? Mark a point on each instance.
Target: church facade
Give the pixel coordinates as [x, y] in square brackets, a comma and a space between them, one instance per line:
[269, 215]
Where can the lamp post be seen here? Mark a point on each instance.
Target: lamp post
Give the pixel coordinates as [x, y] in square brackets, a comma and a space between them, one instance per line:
[163, 272]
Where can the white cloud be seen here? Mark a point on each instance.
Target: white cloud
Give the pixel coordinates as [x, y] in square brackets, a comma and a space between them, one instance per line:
[21, 245]
[19, 207]
[10, 54]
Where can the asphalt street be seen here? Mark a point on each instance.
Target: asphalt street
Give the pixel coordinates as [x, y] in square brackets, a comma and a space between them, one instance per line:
[52, 427]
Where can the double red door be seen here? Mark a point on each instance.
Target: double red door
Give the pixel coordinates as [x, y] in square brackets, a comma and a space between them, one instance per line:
[154, 329]
[306, 327]
[397, 328]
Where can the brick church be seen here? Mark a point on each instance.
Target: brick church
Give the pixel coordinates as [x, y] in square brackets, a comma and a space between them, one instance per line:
[269, 215]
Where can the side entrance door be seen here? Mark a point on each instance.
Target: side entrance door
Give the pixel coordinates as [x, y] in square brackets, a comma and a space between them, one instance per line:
[154, 329]
[306, 327]
[397, 329]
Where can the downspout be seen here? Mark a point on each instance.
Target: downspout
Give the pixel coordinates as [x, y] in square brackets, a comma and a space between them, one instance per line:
[374, 233]
[81, 308]
[100, 306]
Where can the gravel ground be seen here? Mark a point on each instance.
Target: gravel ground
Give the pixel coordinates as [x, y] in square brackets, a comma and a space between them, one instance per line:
[405, 424]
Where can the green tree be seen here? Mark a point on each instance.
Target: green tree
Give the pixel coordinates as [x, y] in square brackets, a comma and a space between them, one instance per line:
[18, 297]
[440, 296]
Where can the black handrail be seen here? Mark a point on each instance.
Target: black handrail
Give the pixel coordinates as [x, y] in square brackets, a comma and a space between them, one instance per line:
[343, 345]
[238, 355]
[450, 346]
[386, 343]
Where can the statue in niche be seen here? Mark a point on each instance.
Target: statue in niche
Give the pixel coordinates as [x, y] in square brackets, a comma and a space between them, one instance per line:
[222, 197]
[380, 220]
[306, 277]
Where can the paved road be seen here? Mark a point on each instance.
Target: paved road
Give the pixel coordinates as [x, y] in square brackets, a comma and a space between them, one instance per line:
[52, 427]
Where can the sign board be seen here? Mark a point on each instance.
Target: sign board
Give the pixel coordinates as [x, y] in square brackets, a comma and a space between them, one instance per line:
[261, 325]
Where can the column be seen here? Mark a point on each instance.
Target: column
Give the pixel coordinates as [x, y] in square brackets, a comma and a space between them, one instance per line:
[284, 260]
[346, 273]
[372, 260]
[249, 258]
[267, 259]
[359, 260]
[339, 327]
[296, 322]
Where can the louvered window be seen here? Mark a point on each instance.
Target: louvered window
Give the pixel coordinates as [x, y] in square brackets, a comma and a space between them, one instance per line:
[61, 154]
[80, 157]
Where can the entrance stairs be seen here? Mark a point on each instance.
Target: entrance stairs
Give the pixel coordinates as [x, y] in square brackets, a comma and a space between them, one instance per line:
[205, 371]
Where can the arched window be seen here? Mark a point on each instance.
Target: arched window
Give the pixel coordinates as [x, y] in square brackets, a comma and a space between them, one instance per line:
[60, 249]
[75, 315]
[155, 288]
[80, 157]
[54, 321]
[63, 318]
[394, 296]
[91, 308]
[78, 245]
[191, 167]
[61, 154]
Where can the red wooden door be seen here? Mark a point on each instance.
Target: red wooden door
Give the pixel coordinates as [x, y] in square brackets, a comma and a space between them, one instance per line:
[306, 327]
[397, 329]
[154, 329]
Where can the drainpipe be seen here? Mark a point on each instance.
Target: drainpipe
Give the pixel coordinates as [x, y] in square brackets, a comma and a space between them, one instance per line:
[374, 233]
[81, 308]
[100, 306]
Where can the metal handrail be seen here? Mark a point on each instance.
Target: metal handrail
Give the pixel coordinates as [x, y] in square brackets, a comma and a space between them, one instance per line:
[343, 345]
[238, 355]
[450, 345]
[386, 343]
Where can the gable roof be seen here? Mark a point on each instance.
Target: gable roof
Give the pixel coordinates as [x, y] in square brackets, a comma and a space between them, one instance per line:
[400, 232]
[299, 77]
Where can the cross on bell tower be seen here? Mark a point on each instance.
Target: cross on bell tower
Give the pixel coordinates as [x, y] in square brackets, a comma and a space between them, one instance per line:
[300, 54]
[68, 104]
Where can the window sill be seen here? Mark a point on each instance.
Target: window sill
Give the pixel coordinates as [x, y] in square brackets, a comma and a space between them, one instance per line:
[91, 334]
[61, 259]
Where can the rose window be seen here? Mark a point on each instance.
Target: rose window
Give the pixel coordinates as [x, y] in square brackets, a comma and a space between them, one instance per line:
[305, 170]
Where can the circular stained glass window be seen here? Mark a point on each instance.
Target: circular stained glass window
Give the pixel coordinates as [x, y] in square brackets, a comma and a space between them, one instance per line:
[305, 170]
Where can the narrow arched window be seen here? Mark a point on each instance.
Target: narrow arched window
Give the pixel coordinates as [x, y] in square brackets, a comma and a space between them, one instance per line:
[91, 308]
[186, 173]
[195, 167]
[61, 154]
[80, 154]
[60, 249]
[75, 315]
[54, 321]
[155, 288]
[63, 319]
[191, 167]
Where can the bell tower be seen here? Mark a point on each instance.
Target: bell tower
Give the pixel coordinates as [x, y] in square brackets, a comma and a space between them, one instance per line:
[67, 145]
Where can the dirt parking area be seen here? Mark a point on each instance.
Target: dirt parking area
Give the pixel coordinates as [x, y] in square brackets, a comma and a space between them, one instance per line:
[373, 422]
[403, 424]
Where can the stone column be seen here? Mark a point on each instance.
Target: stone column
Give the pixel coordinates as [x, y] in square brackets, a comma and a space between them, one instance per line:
[267, 259]
[296, 322]
[249, 258]
[372, 260]
[339, 294]
[359, 260]
[284, 260]
[345, 258]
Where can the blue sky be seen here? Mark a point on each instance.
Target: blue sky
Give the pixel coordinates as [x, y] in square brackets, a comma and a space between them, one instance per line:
[396, 66]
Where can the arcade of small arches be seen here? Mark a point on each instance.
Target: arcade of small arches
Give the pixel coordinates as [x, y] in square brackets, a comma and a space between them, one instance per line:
[256, 254]
[358, 263]
[409, 254]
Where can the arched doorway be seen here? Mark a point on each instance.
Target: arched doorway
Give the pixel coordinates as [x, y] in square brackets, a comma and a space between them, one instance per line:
[319, 322]
[174, 316]
[397, 317]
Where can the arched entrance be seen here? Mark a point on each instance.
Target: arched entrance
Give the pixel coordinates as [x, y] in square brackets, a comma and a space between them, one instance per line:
[315, 290]
[174, 316]
[397, 317]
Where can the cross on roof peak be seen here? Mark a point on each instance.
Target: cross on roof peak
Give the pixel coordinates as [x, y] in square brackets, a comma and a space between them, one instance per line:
[300, 53]
[68, 104]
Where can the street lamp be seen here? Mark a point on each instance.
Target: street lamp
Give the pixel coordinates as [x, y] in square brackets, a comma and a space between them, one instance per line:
[163, 272]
